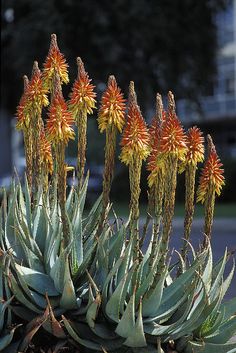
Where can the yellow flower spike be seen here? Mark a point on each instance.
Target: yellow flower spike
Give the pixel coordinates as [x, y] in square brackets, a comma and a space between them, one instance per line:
[82, 102]
[82, 97]
[55, 63]
[210, 185]
[112, 109]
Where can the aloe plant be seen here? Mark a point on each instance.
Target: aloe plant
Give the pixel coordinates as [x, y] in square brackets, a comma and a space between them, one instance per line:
[85, 278]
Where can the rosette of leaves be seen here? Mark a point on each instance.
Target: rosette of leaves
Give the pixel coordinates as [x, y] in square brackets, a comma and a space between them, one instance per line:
[130, 308]
[45, 279]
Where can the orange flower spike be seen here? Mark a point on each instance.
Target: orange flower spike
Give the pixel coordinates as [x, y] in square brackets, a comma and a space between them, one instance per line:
[60, 120]
[135, 140]
[83, 96]
[37, 94]
[173, 138]
[22, 112]
[54, 63]
[212, 174]
[112, 110]
[195, 148]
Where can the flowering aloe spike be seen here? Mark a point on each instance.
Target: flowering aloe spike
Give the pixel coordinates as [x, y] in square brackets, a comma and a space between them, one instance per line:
[111, 117]
[210, 185]
[194, 155]
[82, 102]
[54, 63]
[135, 149]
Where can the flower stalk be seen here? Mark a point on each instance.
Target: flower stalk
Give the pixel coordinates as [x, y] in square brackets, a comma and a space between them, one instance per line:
[82, 102]
[135, 149]
[59, 132]
[173, 145]
[194, 155]
[111, 118]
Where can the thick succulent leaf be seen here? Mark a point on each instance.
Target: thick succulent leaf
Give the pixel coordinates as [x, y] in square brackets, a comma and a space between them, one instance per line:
[83, 342]
[28, 205]
[82, 194]
[21, 297]
[177, 292]
[58, 270]
[218, 279]
[229, 308]
[52, 325]
[156, 329]
[31, 328]
[207, 273]
[227, 281]
[126, 324]
[137, 337]
[225, 332]
[116, 244]
[210, 348]
[209, 309]
[92, 220]
[111, 274]
[115, 304]
[92, 311]
[68, 298]
[152, 298]
[40, 282]
[193, 315]
[11, 238]
[4, 305]
[40, 222]
[126, 262]
[6, 338]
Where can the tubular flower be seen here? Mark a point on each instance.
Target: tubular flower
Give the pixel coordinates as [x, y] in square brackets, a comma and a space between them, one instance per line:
[82, 96]
[54, 63]
[135, 139]
[23, 112]
[195, 148]
[59, 121]
[173, 139]
[212, 175]
[36, 93]
[112, 110]
[45, 153]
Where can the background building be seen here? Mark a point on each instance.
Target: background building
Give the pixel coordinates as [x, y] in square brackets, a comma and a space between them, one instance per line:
[216, 113]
